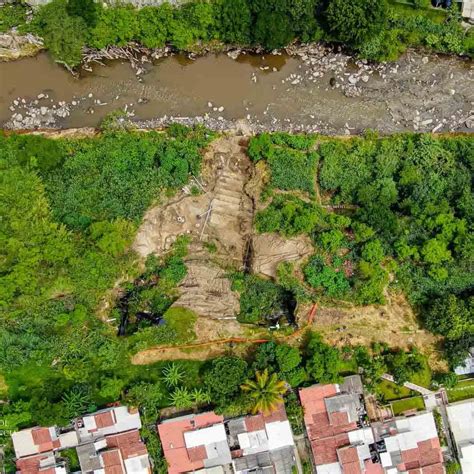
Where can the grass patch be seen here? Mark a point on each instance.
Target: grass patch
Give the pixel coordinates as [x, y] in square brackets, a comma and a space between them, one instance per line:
[462, 391]
[408, 9]
[401, 406]
[72, 459]
[181, 321]
[348, 367]
[391, 391]
[423, 377]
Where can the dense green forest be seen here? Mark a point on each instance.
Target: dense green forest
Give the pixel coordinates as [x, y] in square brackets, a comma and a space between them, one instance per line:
[70, 209]
[392, 211]
[375, 29]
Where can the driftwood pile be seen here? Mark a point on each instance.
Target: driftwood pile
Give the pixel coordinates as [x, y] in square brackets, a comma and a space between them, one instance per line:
[135, 53]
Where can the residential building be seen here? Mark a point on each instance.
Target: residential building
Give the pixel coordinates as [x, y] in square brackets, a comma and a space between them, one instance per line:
[340, 439]
[208, 443]
[107, 442]
[461, 421]
[343, 442]
[409, 444]
[194, 442]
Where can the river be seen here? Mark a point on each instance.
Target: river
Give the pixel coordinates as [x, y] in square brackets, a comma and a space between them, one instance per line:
[314, 90]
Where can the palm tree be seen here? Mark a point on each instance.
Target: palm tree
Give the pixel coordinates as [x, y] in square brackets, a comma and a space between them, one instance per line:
[172, 375]
[182, 398]
[200, 396]
[266, 392]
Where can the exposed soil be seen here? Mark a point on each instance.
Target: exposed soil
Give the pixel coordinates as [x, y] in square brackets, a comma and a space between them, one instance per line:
[271, 249]
[393, 323]
[219, 222]
[152, 355]
[222, 215]
[206, 290]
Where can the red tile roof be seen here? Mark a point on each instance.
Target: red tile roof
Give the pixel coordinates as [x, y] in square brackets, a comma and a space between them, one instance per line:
[103, 420]
[427, 456]
[254, 423]
[351, 468]
[113, 463]
[325, 449]
[41, 436]
[31, 464]
[277, 415]
[129, 444]
[174, 447]
[114, 470]
[326, 432]
[339, 419]
[373, 468]
[198, 453]
[348, 455]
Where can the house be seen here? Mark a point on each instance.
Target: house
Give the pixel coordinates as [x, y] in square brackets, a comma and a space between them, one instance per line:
[208, 443]
[108, 421]
[106, 442]
[342, 441]
[45, 463]
[194, 442]
[262, 443]
[409, 444]
[461, 420]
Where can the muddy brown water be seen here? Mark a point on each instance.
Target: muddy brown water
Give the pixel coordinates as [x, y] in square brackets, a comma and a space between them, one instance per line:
[252, 86]
[173, 86]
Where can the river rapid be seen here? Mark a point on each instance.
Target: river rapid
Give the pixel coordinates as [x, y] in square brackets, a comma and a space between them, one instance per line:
[309, 88]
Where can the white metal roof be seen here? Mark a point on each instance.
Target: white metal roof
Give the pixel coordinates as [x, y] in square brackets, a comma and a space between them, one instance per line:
[279, 435]
[422, 426]
[23, 443]
[204, 436]
[253, 442]
[364, 435]
[137, 465]
[333, 468]
[68, 440]
[386, 459]
[461, 420]
[466, 458]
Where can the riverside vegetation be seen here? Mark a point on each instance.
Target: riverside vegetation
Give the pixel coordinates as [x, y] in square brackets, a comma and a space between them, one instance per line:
[380, 211]
[375, 29]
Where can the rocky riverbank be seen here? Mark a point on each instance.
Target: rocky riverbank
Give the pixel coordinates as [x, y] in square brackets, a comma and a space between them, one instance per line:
[15, 46]
[324, 91]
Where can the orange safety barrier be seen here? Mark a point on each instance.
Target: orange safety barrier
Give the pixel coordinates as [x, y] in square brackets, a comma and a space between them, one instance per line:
[240, 340]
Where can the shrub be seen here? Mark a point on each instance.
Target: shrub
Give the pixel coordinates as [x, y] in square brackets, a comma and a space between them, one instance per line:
[331, 280]
[63, 35]
[260, 300]
[12, 15]
[293, 170]
[289, 215]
